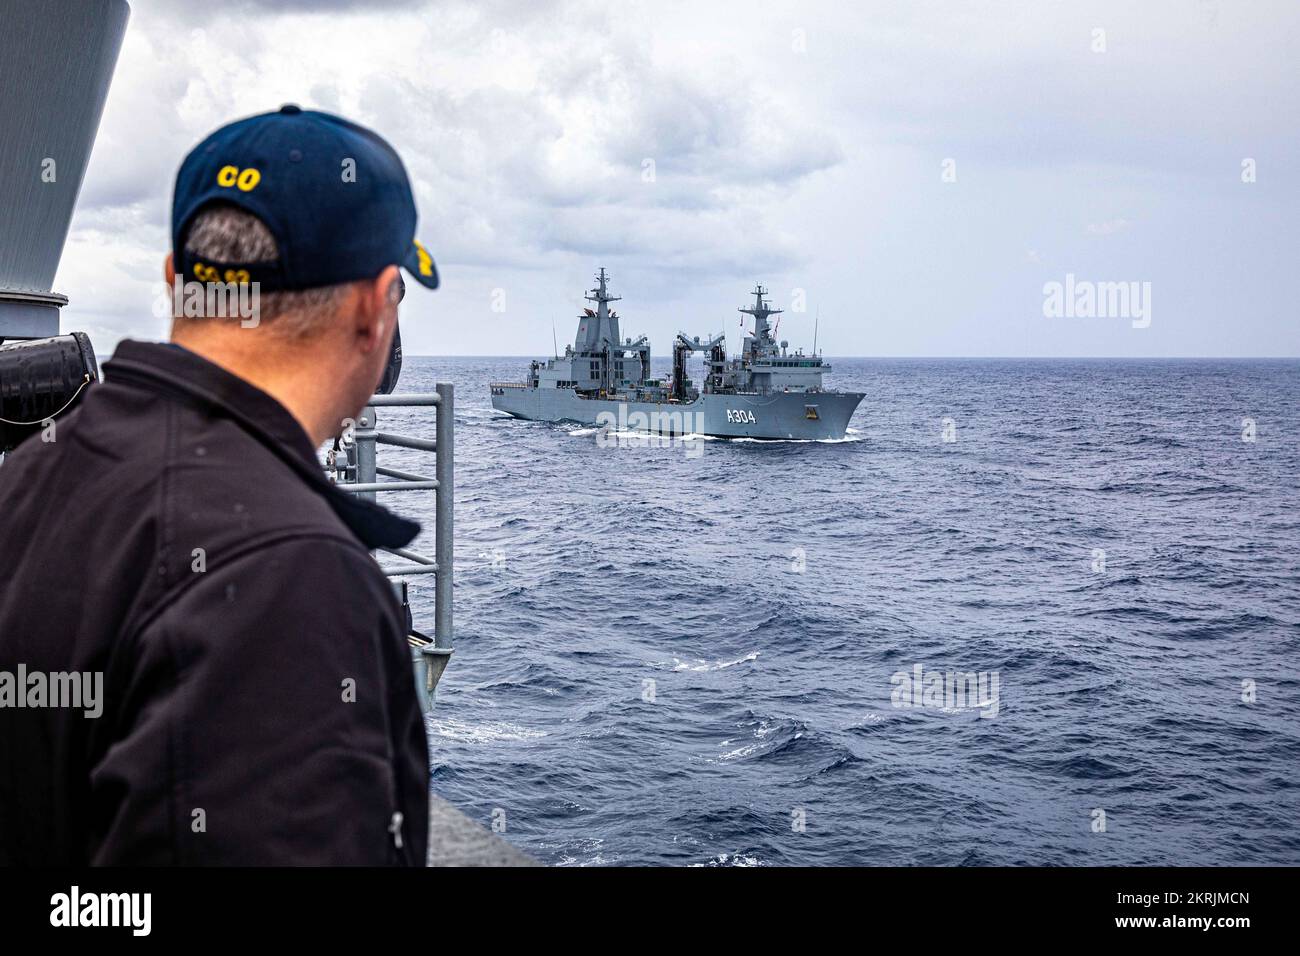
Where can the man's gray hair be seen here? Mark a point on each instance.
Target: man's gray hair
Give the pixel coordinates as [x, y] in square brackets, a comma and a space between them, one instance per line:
[229, 234]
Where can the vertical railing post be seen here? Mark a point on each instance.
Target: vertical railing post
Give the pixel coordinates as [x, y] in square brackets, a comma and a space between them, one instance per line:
[444, 544]
[365, 435]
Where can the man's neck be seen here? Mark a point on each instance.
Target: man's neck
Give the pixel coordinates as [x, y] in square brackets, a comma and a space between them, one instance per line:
[295, 382]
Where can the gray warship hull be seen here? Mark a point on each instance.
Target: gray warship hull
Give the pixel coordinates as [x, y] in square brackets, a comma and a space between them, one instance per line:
[605, 380]
[805, 416]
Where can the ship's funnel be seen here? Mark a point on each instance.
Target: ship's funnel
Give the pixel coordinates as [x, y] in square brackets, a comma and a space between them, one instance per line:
[56, 61]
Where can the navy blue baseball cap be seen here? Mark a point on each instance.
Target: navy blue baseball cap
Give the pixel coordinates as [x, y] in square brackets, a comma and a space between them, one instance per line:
[334, 195]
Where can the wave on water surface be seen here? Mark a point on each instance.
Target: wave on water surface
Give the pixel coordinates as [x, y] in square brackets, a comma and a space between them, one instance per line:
[662, 655]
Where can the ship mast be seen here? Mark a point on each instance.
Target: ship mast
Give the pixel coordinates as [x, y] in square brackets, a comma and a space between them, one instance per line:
[604, 331]
[602, 298]
[760, 312]
[598, 335]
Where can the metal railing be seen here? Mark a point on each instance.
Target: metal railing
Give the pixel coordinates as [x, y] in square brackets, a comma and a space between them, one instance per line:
[454, 839]
[354, 463]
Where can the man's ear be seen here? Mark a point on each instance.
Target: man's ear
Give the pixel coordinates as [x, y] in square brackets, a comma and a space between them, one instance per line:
[378, 308]
[169, 270]
[390, 283]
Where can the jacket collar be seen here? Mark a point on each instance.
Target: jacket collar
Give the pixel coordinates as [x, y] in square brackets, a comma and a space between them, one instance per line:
[173, 370]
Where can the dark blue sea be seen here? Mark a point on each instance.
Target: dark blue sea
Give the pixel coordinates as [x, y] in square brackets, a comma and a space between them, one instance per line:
[689, 654]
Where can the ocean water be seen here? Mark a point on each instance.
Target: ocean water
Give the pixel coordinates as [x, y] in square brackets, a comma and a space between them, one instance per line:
[689, 654]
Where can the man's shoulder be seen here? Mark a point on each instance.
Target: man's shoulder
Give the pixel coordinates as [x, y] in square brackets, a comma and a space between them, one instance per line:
[224, 483]
[291, 595]
[295, 569]
[198, 471]
[231, 502]
[172, 496]
[215, 495]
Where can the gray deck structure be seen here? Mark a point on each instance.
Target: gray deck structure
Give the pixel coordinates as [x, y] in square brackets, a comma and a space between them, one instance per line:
[56, 62]
[456, 840]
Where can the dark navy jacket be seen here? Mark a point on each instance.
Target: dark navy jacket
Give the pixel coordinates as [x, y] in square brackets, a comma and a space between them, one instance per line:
[179, 536]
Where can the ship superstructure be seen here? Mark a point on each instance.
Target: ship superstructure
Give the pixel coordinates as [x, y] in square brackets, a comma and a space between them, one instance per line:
[603, 379]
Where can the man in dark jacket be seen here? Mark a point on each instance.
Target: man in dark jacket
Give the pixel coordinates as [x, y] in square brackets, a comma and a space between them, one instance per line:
[176, 540]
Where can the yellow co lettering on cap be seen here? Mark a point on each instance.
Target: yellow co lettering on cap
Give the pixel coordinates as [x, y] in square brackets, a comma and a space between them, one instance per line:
[426, 260]
[245, 179]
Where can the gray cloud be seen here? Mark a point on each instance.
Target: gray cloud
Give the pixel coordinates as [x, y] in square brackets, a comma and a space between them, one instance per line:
[796, 143]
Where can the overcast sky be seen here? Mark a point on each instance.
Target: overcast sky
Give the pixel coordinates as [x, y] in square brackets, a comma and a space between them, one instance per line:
[802, 145]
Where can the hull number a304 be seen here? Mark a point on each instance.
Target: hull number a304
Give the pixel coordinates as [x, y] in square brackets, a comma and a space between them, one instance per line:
[740, 416]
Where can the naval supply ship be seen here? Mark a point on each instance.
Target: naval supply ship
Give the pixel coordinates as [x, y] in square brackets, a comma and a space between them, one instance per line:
[603, 379]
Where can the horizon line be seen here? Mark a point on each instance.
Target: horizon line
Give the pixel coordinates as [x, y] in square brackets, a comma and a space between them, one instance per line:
[1032, 358]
